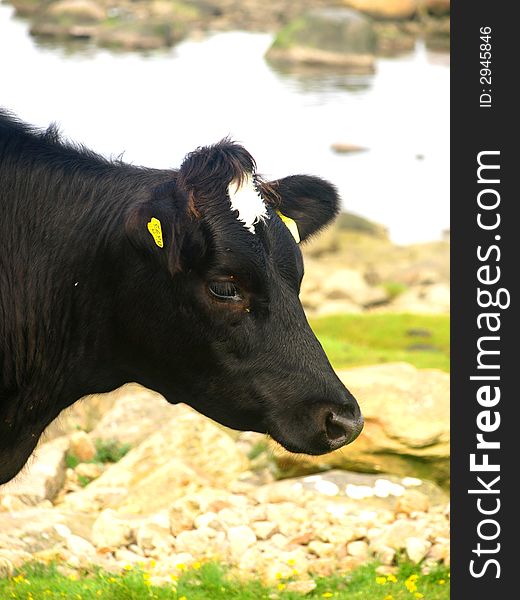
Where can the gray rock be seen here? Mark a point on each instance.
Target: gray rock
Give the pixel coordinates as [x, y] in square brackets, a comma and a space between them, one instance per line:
[111, 530]
[44, 475]
[337, 37]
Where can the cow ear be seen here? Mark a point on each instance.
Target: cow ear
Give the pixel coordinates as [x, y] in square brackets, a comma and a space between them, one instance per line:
[154, 227]
[310, 201]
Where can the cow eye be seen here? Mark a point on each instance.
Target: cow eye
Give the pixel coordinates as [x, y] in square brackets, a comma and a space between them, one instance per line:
[225, 291]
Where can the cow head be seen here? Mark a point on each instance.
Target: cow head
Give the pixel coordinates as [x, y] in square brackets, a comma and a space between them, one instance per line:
[210, 307]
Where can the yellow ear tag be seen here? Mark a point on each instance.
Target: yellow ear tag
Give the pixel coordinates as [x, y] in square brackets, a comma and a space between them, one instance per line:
[154, 227]
[291, 226]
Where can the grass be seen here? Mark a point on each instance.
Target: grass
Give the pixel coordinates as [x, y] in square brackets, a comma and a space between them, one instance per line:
[210, 581]
[107, 451]
[110, 451]
[368, 339]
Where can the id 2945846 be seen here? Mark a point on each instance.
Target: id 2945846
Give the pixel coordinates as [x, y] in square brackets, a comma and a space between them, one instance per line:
[485, 67]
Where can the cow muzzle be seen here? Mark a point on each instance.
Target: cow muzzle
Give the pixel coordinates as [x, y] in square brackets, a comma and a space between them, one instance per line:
[319, 426]
[342, 424]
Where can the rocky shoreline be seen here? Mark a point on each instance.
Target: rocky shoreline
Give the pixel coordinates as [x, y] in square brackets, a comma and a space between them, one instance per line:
[142, 25]
[353, 267]
[189, 491]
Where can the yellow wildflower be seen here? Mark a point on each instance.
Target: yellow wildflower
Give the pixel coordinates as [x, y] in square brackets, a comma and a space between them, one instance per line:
[419, 595]
[388, 597]
[196, 565]
[392, 578]
[278, 575]
[327, 595]
[441, 581]
[128, 567]
[281, 586]
[380, 580]
[291, 562]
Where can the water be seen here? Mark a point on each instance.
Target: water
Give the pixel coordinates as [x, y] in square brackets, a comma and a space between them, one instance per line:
[155, 108]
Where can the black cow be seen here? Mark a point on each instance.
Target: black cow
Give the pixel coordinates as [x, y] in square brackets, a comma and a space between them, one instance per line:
[185, 281]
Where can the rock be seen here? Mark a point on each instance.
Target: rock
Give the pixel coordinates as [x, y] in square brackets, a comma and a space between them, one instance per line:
[424, 299]
[154, 538]
[339, 534]
[348, 221]
[336, 37]
[10, 503]
[240, 539]
[281, 491]
[38, 529]
[396, 535]
[185, 510]
[350, 285]
[81, 446]
[170, 463]
[385, 555]
[44, 475]
[406, 430]
[438, 8]
[149, 34]
[82, 415]
[346, 148]
[304, 586]
[412, 501]
[128, 557]
[136, 414]
[323, 567]
[440, 552]
[208, 519]
[88, 471]
[437, 34]
[201, 543]
[321, 549]
[385, 9]
[359, 549]
[333, 307]
[84, 11]
[264, 529]
[417, 548]
[80, 547]
[392, 40]
[111, 531]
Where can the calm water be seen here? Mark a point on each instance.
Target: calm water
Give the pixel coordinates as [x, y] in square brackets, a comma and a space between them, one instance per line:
[155, 108]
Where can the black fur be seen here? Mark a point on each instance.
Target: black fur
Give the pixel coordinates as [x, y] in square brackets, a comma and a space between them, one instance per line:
[89, 302]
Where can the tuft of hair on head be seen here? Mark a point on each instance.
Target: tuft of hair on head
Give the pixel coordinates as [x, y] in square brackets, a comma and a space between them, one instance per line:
[209, 169]
[225, 169]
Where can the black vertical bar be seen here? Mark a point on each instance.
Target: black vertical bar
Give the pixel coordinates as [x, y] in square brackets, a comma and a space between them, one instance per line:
[483, 121]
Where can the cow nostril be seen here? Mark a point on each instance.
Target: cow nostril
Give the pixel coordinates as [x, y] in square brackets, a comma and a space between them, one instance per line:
[335, 428]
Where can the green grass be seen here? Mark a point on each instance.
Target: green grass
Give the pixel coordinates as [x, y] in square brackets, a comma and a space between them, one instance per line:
[107, 451]
[110, 451]
[211, 582]
[368, 339]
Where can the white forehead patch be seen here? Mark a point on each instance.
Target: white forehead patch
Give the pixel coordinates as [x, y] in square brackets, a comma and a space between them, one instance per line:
[247, 201]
